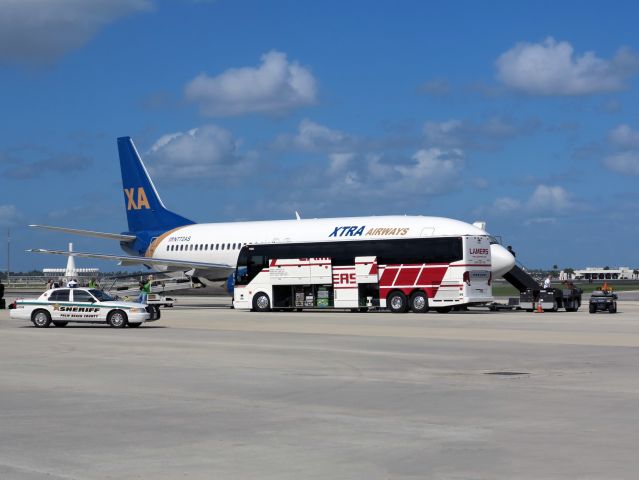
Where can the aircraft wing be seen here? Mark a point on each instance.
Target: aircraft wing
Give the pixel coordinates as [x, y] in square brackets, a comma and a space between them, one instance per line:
[132, 260]
[89, 233]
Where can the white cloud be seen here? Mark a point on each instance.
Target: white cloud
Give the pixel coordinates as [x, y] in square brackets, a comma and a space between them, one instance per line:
[274, 87]
[626, 163]
[552, 199]
[40, 31]
[312, 137]
[204, 152]
[431, 164]
[444, 134]
[624, 136]
[625, 157]
[505, 205]
[431, 171]
[552, 68]
[9, 215]
[339, 162]
[544, 200]
[468, 134]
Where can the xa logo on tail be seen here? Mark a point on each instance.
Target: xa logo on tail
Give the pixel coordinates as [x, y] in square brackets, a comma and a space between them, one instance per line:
[132, 203]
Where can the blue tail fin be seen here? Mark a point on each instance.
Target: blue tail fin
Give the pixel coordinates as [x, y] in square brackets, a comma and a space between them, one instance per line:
[144, 208]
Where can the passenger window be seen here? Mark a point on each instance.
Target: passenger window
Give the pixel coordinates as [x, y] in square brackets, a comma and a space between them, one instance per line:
[228, 246]
[206, 246]
[217, 246]
[59, 296]
[82, 296]
[191, 247]
[233, 246]
[222, 247]
[181, 247]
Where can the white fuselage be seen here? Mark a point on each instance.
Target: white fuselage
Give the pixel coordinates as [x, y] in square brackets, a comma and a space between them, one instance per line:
[220, 243]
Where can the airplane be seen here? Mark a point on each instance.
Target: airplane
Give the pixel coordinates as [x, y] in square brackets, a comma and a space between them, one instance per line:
[167, 242]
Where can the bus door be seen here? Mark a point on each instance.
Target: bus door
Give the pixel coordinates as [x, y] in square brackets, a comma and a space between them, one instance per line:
[367, 277]
[345, 286]
[477, 276]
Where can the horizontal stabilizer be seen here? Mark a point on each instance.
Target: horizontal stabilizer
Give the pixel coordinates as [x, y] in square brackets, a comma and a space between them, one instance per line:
[89, 233]
[132, 260]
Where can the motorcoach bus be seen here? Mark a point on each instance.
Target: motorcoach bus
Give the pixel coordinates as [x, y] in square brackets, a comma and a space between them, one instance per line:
[398, 274]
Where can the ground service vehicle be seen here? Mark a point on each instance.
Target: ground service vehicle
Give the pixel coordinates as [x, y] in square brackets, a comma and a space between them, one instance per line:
[398, 274]
[603, 301]
[551, 299]
[85, 305]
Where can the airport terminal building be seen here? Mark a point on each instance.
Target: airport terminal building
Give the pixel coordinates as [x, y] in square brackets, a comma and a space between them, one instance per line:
[600, 273]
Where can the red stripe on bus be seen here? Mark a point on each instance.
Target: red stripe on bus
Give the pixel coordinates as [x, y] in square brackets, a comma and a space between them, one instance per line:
[407, 276]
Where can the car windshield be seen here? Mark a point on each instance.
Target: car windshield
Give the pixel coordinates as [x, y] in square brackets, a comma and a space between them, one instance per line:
[101, 296]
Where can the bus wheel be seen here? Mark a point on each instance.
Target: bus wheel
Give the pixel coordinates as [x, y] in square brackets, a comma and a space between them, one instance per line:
[397, 302]
[261, 302]
[419, 302]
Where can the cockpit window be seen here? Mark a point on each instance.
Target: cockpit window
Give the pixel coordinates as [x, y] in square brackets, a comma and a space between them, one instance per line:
[493, 240]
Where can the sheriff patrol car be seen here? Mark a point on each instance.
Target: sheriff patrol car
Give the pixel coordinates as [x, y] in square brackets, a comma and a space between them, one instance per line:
[63, 305]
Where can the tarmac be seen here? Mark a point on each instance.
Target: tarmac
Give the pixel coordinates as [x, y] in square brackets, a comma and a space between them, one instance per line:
[209, 392]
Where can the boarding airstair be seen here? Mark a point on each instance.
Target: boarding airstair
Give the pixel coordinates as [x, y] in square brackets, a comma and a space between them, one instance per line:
[521, 280]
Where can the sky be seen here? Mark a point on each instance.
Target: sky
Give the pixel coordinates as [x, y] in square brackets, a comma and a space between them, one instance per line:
[520, 114]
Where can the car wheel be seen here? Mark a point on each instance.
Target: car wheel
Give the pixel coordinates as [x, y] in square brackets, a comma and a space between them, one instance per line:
[592, 308]
[261, 302]
[60, 324]
[613, 308]
[117, 319]
[135, 324]
[41, 318]
[397, 303]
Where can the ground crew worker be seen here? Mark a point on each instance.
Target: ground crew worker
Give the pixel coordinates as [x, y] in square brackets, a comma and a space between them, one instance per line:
[547, 282]
[145, 289]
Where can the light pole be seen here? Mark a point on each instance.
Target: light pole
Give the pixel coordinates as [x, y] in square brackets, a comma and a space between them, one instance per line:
[8, 255]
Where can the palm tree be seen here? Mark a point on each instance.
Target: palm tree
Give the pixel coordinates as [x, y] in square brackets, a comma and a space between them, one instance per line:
[570, 272]
[635, 272]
